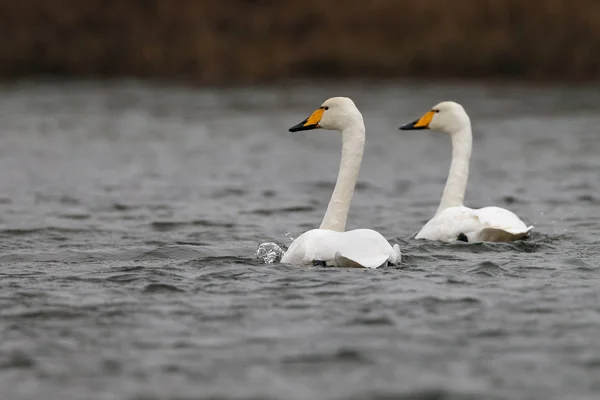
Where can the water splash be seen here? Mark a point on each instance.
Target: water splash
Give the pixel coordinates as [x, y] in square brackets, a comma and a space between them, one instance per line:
[269, 252]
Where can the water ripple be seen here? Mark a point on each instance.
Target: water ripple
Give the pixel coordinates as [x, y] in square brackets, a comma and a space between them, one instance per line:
[131, 214]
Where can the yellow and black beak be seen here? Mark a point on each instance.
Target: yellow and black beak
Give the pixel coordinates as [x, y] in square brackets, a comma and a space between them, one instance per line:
[421, 123]
[311, 122]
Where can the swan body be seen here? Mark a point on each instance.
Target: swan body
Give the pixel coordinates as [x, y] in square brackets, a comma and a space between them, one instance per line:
[488, 224]
[453, 221]
[330, 245]
[356, 248]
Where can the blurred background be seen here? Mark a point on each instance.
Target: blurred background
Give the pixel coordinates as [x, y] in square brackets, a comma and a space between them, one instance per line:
[248, 41]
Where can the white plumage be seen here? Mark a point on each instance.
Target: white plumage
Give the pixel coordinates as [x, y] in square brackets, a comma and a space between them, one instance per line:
[453, 221]
[330, 245]
[488, 224]
[356, 248]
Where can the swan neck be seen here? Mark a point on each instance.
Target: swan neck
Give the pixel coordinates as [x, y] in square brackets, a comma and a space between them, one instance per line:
[353, 142]
[456, 184]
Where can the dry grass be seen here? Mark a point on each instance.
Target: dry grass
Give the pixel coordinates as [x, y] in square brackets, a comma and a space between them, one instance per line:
[217, 41]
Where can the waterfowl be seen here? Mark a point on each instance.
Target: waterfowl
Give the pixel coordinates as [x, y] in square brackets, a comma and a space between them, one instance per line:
[330, 244]
[453, 221]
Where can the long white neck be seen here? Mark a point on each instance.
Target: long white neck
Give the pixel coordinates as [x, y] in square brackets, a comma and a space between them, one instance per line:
[353, 143]
[456, 185]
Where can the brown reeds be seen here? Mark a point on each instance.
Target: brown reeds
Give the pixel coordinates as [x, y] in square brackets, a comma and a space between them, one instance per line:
[219, 41]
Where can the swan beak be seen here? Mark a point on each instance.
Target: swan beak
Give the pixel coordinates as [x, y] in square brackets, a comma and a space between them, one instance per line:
[309, 123]
[421, 123]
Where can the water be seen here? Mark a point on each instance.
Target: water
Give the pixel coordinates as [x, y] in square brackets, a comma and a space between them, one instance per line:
[130, 215]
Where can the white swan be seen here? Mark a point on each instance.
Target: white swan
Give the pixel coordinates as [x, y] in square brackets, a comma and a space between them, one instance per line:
[330, 245]
[453, 221]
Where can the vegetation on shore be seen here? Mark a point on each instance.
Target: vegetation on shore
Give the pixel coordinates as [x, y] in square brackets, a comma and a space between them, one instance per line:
[220, 41]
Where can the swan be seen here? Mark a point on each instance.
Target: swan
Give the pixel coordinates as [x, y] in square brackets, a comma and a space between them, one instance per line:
[453, 221]
[329, 245]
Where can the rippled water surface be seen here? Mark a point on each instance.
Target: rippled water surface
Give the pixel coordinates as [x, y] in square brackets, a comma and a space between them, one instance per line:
[130, 214]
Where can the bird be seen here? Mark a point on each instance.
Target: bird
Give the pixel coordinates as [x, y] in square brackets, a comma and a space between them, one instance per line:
[330, 244]
[453, 221]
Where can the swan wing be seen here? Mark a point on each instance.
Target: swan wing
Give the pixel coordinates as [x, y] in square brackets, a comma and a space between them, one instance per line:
[501, 225]
[500, 218]
[364, 248]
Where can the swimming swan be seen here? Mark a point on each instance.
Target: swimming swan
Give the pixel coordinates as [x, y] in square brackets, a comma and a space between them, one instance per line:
[453, 221]
[330, 245]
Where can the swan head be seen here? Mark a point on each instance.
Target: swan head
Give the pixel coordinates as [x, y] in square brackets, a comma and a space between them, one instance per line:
[336, 113]
[447, 117]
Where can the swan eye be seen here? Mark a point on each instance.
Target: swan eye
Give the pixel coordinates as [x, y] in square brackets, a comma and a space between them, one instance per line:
[436, 111]
[326, 107]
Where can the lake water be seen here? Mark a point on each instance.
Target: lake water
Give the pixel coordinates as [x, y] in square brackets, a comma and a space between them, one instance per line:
[130, 214]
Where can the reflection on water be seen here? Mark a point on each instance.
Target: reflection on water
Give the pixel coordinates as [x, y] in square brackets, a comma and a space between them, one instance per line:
[130, 216]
